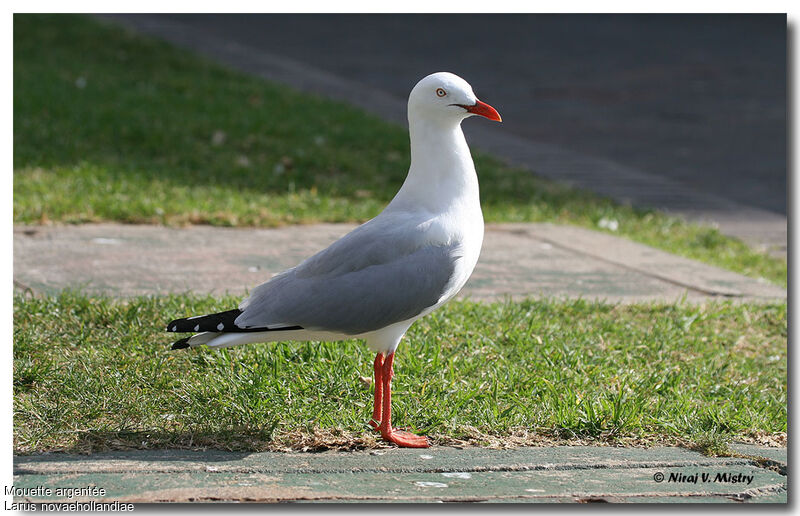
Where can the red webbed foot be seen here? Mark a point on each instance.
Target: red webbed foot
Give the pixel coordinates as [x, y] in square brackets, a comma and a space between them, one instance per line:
[405, 439]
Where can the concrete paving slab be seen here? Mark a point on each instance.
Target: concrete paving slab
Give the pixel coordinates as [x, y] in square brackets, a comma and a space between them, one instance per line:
[436, 459]
[518, 260]
[439, 474]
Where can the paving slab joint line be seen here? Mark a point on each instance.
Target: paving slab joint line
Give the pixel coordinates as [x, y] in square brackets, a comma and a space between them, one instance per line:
[763, 462]
[762, 491]
[736, 461]
[741, 496]
[640, 270]
[645, 272]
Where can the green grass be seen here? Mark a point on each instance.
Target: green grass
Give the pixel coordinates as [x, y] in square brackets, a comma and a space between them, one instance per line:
[111, 126]
[93, 373]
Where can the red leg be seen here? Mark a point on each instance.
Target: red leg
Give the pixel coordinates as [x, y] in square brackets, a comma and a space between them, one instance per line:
[376, 411]
[399, 437]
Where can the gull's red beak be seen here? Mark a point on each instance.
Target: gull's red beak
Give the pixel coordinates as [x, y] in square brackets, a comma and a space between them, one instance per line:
[484, 109]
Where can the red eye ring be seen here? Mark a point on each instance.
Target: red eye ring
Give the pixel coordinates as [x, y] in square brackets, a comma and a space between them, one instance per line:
[440, 92]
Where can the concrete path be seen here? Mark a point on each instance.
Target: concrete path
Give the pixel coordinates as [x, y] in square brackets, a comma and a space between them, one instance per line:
[686, 114]
[439, 474]
[518, 260]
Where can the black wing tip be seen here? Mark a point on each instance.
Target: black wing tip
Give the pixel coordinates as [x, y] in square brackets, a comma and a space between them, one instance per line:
[220, 321]
[223, 322]
[173, 326]
[180, 344]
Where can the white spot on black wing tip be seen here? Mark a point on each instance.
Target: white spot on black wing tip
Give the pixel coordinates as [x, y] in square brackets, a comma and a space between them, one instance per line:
[220, 326]
[174, 327]
[197, 327]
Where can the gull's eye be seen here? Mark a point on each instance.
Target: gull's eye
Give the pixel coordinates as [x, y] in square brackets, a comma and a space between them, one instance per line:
[440, 92]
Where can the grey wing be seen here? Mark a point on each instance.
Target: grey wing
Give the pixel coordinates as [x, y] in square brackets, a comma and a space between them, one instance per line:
[354, 301]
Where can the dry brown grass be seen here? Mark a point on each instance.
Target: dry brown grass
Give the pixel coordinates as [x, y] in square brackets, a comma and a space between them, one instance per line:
[324, 439]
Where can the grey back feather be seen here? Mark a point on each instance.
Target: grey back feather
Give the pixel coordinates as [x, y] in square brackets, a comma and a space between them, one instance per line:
[365, 281]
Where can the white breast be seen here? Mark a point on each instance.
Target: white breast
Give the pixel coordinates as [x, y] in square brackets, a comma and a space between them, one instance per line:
[464, 227]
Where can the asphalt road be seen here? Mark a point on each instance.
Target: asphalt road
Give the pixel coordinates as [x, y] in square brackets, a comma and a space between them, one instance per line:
[700, 99]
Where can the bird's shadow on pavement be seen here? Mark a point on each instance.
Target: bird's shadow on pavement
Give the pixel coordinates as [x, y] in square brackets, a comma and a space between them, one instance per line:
[165, 446]
[157, 446]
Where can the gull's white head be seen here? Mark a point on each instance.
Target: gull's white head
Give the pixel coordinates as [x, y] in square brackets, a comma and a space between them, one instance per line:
[444, 97]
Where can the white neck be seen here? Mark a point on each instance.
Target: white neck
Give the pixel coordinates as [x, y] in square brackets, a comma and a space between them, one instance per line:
[442, 174]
